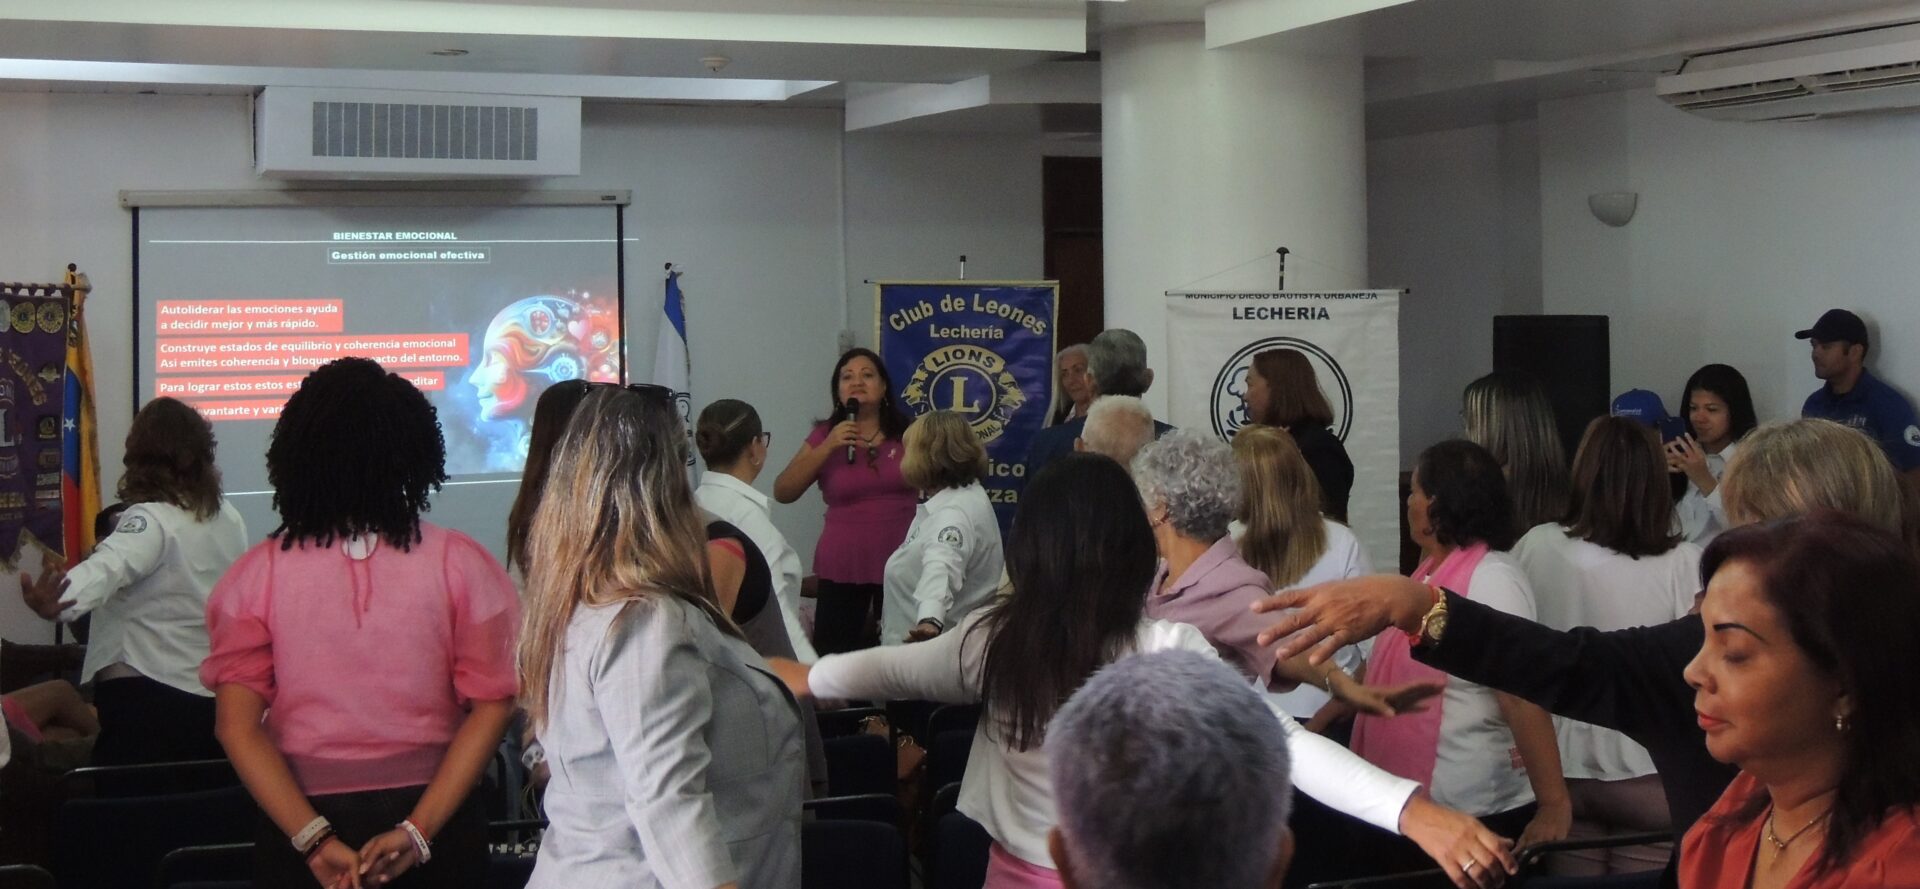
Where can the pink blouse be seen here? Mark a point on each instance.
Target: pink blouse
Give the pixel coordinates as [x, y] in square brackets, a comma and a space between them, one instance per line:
[368, 656]
[869, 508]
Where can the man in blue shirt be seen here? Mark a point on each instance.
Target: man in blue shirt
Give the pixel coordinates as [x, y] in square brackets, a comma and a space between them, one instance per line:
[1853, 397]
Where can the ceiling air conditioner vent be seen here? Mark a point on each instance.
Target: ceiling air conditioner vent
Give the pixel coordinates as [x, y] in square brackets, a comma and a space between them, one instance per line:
[1869, 71]
[1744, 94]
[442, 132]
[1869, 78]
[379, 134]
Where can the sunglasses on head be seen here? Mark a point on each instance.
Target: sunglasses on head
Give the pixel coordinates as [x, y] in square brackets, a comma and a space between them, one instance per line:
[644, 390]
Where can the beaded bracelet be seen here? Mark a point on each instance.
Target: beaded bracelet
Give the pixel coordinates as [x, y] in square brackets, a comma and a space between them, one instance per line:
[319, 842]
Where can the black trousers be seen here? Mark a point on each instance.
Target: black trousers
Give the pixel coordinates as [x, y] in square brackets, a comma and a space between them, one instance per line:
[459, 852]
[846, 616]
[143, 721]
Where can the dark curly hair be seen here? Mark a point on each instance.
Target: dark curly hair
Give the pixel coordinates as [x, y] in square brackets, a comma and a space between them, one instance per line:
[169, 459]
[356, 451]
[1469, 492]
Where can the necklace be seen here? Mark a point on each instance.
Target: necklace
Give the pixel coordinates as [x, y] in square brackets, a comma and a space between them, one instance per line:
[1779, 844]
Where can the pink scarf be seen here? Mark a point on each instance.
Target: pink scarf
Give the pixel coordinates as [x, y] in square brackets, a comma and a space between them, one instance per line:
[1406, 745]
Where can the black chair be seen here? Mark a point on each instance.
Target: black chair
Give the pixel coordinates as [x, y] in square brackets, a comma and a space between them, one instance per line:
[881, 807]
[845, 721]
[952, 718]
[960, 853]
[1529, 876]
[205, 865]
[1644, 880]
[1533, 857]
[509, 864]
[947, 758]
[26, 876]
[151, 779]
[145, 829]
[860, 764]
[842, 854]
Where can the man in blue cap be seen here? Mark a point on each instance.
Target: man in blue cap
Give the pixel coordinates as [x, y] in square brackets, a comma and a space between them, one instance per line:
[1853, 397]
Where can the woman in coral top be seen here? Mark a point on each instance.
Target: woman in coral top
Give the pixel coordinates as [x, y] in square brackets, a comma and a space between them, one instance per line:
[377, 647]
[1805, 683]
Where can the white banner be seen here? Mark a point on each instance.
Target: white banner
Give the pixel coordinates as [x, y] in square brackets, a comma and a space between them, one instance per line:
[1352, 339]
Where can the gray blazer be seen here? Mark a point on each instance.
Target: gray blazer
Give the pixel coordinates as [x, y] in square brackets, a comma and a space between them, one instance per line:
[678, 761]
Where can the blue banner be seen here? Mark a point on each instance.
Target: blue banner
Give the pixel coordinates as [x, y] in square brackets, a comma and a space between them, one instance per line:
[983, 349]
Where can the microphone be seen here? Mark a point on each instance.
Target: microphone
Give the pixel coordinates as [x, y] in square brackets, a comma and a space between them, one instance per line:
[853, 412]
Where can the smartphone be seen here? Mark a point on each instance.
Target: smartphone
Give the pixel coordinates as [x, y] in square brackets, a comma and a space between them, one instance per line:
[1672, 429]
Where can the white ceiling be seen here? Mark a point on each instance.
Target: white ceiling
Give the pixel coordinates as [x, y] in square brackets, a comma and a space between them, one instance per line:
[1433, 63]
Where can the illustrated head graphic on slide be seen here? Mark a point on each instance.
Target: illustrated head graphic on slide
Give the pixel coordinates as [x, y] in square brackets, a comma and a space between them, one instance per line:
[530, 344]
[540, 340]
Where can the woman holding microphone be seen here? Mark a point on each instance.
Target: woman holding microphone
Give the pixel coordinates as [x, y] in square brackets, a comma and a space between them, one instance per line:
[855, 456]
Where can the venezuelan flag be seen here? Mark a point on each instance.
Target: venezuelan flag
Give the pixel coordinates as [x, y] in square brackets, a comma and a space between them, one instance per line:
[80, 441]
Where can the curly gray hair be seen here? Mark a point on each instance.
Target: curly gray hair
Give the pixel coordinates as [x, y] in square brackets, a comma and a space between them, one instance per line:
[1194, 478]
[1147, 742]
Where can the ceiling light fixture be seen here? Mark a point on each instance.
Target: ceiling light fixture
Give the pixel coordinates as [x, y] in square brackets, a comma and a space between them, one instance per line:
[449, 52]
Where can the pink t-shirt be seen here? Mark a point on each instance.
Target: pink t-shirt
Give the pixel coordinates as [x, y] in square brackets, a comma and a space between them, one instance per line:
[869, 509]
[368, 656]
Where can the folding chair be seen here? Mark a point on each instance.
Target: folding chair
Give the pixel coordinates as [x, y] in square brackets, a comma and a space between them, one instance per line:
[205, 866]
[842, 854]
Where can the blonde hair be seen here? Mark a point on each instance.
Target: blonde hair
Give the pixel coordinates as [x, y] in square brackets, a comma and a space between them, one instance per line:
[942, 451]
[1511, 416]
[1279, 504]
[1795, 467]
[616, 525]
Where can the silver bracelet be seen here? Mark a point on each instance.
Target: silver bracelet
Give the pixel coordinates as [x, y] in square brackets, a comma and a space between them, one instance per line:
[420, 844]
[303, 841]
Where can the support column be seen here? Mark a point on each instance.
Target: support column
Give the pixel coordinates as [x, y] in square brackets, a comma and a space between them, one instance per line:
[1213, 158]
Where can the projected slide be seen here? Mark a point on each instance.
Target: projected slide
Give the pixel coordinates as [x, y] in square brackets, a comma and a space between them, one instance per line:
[481, 308]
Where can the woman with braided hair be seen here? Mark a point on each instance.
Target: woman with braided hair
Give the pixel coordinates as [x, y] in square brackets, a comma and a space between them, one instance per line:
[377, 647]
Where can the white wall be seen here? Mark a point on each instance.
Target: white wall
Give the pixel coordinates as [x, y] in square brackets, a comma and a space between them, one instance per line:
[1454, 217]
[63, 160]
[1745, 234]
[918, 202]
[750, 201]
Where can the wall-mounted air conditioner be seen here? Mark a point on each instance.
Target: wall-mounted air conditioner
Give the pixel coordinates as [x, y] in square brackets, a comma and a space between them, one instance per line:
[1859, 72]
[306, 133]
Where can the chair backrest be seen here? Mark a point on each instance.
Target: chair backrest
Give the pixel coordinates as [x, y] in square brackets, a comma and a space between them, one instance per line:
[953, 717]
[26, 876]
[149, 779]
[839, 854]
[947, 758]
[960, 847]
[140, 831]
[845, 721]
[191, 865]
[860, 763]
[881, 807]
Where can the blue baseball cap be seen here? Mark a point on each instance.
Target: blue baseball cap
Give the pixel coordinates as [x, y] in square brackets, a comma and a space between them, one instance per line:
[1641, 405]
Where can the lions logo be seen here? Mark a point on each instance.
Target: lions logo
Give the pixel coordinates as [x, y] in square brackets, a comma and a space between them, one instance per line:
[1230, 385]
[23, 316]
[53, 316]
[970, 380]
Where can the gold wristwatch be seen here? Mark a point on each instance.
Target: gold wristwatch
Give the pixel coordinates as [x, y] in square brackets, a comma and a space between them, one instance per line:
[1433, 624]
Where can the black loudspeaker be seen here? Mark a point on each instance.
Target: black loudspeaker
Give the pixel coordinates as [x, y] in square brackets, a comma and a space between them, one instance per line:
[1568, 353]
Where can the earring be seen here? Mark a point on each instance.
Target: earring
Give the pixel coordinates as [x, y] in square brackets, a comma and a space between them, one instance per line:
[1840, 723]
